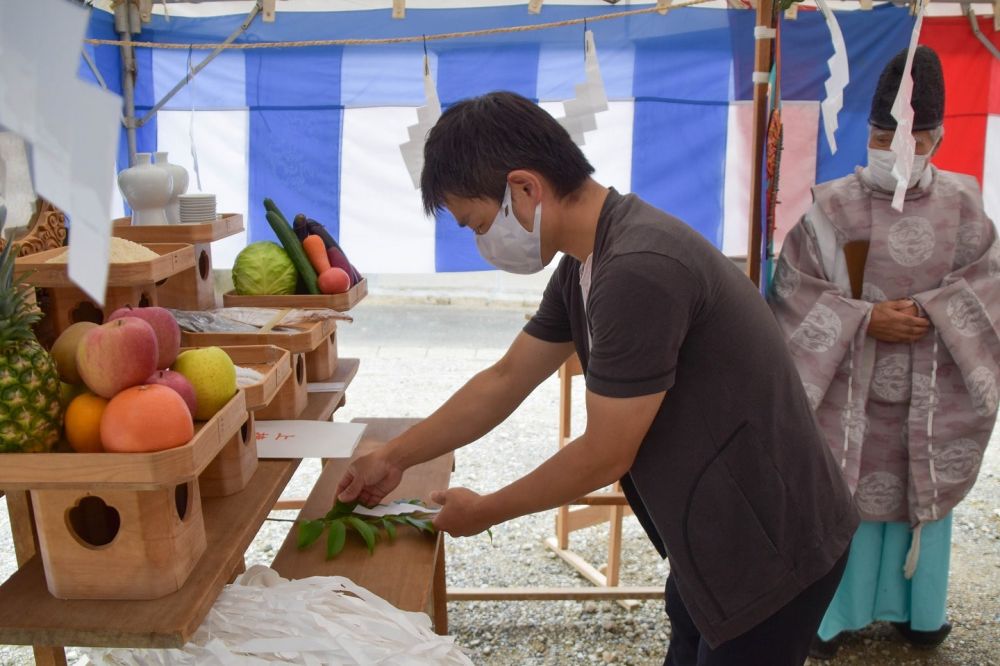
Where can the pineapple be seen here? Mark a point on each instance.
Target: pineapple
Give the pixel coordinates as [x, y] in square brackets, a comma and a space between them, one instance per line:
[30, 411]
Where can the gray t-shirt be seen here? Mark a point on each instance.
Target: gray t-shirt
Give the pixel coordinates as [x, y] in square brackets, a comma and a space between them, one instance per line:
[732, 482]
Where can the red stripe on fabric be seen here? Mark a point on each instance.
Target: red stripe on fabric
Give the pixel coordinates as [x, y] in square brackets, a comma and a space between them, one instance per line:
[972, 86]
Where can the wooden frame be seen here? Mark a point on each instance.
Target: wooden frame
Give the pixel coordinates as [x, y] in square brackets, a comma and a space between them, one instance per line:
[193, 288]
[408, 572]
[600, 507]
[339, 302]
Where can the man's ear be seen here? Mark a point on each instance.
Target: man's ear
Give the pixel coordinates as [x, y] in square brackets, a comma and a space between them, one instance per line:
[527, 182]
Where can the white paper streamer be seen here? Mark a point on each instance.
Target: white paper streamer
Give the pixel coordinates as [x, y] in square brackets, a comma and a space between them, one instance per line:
[427, 115]
[72, 126]
[194, 149]
[903, 144]
[393, 509]
[265, 619]
[589, 98]
[839, 77]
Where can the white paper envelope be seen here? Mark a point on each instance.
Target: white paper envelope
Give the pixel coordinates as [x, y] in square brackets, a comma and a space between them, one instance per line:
[307, 439]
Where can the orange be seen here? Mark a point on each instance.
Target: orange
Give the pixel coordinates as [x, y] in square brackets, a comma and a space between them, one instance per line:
[83, 422]
[146, 418]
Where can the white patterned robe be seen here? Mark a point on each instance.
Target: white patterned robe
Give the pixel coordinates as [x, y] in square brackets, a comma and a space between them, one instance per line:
[907, 422]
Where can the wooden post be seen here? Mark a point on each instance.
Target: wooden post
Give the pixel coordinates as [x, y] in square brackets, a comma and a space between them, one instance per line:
[615, 515]
[22, 526]
[440, 591]
[762, 63]
[566, 391]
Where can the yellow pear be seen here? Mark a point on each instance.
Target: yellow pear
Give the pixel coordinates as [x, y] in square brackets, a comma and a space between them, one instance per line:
[64, 350]
[213, 376]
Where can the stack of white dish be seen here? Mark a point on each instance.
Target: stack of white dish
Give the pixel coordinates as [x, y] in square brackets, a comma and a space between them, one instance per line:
[196, 208]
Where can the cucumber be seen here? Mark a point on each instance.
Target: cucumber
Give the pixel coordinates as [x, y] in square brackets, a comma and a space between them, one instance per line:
[292, 246]
[272, 207]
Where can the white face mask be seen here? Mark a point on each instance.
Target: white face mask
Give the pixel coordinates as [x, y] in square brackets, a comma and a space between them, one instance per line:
[880, 164]
[508, 246]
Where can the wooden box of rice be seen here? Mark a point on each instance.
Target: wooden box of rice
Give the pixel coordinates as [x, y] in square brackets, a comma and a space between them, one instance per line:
[133, 273]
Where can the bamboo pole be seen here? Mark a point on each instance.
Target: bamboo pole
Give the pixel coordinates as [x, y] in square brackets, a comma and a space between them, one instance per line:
[762, 64]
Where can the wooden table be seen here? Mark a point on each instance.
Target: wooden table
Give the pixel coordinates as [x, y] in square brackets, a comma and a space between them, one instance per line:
[408, 572]
[29, 615]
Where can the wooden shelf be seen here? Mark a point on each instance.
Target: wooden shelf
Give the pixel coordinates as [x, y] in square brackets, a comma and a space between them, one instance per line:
[339, 302]
[227, 224]
[321, 406]
[30, 615]
[299, 339]
[401, 571]
[173, 258]
[126, 471]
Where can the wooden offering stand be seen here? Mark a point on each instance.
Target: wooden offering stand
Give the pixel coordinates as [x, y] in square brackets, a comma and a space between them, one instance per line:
[231, 470]
[121, 525]
[339, 302]
[132, 284]
[193, 288]
[309, 345]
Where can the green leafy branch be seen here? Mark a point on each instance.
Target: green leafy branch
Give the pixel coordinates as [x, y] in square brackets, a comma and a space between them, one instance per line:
[341, 518]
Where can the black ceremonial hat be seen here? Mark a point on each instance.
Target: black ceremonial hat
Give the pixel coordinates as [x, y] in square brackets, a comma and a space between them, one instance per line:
[928, 91]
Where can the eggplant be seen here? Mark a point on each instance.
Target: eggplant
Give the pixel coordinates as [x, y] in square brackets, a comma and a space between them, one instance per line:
[304, 227]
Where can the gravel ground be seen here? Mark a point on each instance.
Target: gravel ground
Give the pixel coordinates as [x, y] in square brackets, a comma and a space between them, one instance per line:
[434, 350]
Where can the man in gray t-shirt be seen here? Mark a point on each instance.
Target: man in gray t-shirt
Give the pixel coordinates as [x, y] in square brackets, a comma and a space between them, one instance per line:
[727, 474]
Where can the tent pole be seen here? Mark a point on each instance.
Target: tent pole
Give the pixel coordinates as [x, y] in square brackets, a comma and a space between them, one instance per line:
[763, 60]
[128, 72]
[193, 71]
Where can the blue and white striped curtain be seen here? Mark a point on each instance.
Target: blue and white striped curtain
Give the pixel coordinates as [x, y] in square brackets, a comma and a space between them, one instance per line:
[318, 129]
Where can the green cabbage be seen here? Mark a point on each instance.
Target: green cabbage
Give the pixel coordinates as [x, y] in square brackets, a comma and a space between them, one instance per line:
[264, 268]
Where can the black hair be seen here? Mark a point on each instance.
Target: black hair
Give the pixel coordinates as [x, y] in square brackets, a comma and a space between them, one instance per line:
[478, 141]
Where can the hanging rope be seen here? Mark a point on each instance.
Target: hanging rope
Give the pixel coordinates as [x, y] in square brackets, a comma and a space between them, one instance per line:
[399, 40]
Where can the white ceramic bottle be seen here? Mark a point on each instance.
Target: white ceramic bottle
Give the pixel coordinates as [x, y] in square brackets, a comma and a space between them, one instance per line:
[180, 179]
[147, 190]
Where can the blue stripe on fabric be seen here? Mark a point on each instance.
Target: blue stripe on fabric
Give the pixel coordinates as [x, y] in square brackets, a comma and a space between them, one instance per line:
[868, 51]
[560, 68]
[145, 96]
[294, 160]
[296, 121]
[682, 85]
[302, 78]
[454, 247]
[220, 85]
[384, 76]
[467, 72]
[107, 58]
[678, 161]
[692, 62]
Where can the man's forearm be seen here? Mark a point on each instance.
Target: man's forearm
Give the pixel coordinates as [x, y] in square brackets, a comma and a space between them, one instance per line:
[575, 470]
[475, 409]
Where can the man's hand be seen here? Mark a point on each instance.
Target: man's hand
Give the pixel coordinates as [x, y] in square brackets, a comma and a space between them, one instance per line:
[369, 479]
[897, 321]
[461, 514]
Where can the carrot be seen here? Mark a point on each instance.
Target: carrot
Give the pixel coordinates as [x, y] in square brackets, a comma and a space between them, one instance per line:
[315, 249]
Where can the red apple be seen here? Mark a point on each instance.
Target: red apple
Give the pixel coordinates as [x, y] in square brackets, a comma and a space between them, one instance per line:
[117, 355]
[179, 383]
[168, 333]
